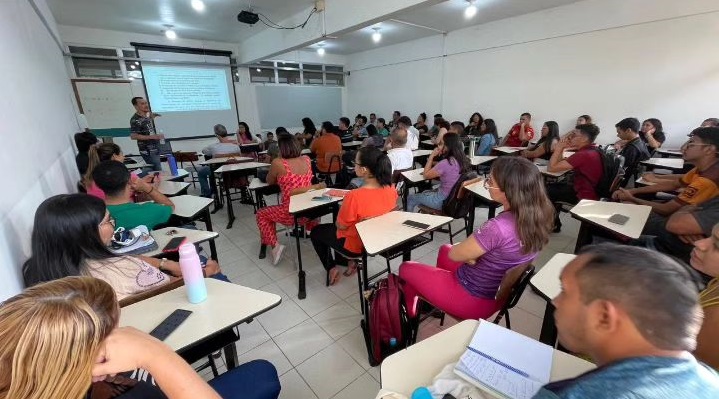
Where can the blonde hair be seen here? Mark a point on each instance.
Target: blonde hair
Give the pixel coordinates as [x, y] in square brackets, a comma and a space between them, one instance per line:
[50, 335]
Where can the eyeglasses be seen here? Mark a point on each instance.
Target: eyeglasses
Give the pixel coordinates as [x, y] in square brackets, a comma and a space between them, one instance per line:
[690, 144]
[486, 185]
[110, 220]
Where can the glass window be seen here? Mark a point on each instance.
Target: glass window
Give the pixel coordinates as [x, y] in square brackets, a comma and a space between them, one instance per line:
[108, 52]
[335, 79]
[312, 67]
[312, 78]
[133, 68]
[270, 64]
[262, 75]
[334, 68]
[287, 65]
[291, 77]
[93, 68]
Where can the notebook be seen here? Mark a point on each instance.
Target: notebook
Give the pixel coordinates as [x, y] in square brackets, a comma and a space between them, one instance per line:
[336, 193]
[504, 363]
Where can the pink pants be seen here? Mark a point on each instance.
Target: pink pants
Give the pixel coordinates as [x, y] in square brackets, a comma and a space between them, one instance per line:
[440, 287]
[268, 217]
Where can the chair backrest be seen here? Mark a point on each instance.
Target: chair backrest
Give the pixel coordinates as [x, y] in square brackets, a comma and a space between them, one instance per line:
[513, 283]
[181, 156]
[455, 205]
[330, 158]
[127, 301]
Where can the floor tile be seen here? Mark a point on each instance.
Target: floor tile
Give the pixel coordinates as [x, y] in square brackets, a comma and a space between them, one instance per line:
[251, 336]
[294, 387]
[330, 371]
[282, 318]
[270, 352]
[338, 320]
[354, 344]
[365, 387]
[303, 341]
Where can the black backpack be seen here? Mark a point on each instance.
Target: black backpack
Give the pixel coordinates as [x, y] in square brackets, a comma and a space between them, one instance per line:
[612, 163]
[459, 207]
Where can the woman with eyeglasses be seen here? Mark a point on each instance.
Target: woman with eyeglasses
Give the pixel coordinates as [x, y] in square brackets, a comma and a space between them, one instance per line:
[70, 237]
[467, 277]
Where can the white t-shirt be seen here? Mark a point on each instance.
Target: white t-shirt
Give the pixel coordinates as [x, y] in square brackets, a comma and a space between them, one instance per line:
[401, 158]
[412, 138]
[127, 275]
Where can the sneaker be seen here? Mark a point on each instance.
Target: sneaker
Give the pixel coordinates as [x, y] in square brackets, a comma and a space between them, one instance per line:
[277, 254]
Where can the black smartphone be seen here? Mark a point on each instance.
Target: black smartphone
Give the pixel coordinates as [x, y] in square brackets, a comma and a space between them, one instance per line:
[174, 244]
[416, 225]
[618, 219]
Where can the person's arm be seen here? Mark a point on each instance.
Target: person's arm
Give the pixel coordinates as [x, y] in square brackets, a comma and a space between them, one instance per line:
[430, 171]
[525, 132]
[536, 153]
[664, 185]
[661, 208]
[143, 137]
[707, 349]
[651, 140]
[685, 224]
[300, 190]
[485, 145]
[169, 265]
[275, 169]
[347, 215]
[154, 194]
[467, 251]
[557, 163]
[127, 349]
[652, 177]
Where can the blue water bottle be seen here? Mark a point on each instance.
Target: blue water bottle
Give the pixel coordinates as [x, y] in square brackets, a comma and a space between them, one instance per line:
[392, 342]
[173, 164]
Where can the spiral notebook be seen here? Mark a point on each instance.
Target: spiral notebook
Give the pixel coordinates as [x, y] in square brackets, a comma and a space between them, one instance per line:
[504, 363]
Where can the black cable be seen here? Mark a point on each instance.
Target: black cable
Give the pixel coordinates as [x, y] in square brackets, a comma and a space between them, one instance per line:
[278, 26]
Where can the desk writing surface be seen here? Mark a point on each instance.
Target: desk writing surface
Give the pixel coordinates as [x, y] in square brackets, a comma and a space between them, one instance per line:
[509, 150]
[481, 159]
[181, 174]
[385, 231]
[421, 153]
[241, 166]
[417, 365]
[547, 279]
[194, 236]
[415, 175]
[304, 201]
[428, 142]
[171, 187]
[478, 189]
[224, 160]
[226, 305]
[672, 152]
[256, 183]
[671, 163]
[543, 170]
[599, 212]
[352, 144]
[190, 205]
[644, 182]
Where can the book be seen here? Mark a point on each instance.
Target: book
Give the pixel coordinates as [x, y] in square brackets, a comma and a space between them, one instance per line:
[504, 363]
[336, 193]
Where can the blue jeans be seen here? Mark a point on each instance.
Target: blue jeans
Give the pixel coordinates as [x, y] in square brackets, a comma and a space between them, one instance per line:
[152, 157]
[431, 198]
[203, 176]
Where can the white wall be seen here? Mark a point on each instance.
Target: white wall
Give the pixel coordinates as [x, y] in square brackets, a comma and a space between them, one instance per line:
[38, 123]
[607, 58]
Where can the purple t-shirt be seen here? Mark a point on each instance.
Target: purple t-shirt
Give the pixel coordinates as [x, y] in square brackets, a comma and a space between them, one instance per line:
[503, 251]
[448, 175]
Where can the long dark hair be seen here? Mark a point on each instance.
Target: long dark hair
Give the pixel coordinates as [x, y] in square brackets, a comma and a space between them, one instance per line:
[657, 125]
[378, 164]
[454, 150]
[549, 138]
[248, 134]
[491, 129]
[480, 119]
[309, 126]
[523, 185]
[65, 235]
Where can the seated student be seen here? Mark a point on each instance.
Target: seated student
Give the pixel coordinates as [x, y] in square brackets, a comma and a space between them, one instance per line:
[244, 138]
[71, 236]
[61, 340]
[373, 137]
[101, 153]
[521, 132]
[382, 127]
[399, 155]
[326, 143]
[652, 134]
[634, 149]
[421, 124]
[474, 125]
[488, 138]
[395, 120]
[412, 133]
[376, 197]
[114, 179]
[639, 335]
[83, 141]
[699, 184]
[458, 128]
[710, 122]
[224, 146]
[444, 127]
[308, 133]
[544, 148]
[344, 132]
[434, 130]
[292, 172]
[466, 284]
[360, 128]
[270, 140]
[586, 164]
[705, 259]
[448, 170]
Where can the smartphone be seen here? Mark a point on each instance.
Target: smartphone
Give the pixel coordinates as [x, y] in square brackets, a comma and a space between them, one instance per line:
[618, 219]
[416, 225]
[321, 198]
[174, 244]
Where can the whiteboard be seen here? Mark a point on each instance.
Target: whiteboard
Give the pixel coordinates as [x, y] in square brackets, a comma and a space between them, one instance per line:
[105, 104]
[287, 105]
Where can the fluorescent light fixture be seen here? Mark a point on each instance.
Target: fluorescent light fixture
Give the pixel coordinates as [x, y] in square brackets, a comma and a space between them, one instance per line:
[376, 36]
[131, 78]
[471, 10]
[321, 51]
[137, 62]
[132, 67]
[198, 5]
[170, 34]
[259, 70]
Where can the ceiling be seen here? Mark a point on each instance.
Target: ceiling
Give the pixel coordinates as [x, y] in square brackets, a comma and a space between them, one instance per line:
[219, 20]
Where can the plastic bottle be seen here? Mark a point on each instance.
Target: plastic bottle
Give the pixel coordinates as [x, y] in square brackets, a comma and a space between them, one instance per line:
[192, 273]
[392, 342]
[162, 141]
[173, 164]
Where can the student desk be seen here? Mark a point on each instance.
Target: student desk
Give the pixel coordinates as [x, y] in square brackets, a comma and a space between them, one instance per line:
[481, 197]
[351, 145]
[675, 164]
[164, 235]
[226, 306]
[597, 214]
[193, 207]
[669, 152]
[302, 205]
[172, 188]
[504, 150]
[133, 163]
[239, 169]
[427, 144]
[543, 170]
[261, 189]
[420, 156]
[411, 178]
[482, 159]
[546, 282]
[181, 175]
[417, 365]
[215, 163]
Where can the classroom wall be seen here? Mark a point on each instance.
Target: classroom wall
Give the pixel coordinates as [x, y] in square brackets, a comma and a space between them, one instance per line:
[608, 58]
[38, 123]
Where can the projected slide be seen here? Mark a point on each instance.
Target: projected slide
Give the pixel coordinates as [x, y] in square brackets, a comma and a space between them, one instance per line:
[183, 89]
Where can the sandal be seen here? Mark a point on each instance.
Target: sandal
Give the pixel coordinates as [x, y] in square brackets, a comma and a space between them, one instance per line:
[334, 275]
[351, 268]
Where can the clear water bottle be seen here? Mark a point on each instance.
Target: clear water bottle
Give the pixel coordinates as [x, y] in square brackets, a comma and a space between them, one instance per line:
[192, 273]
[162, 140]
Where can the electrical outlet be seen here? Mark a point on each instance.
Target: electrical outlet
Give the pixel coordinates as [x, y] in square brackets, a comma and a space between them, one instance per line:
[320, 5]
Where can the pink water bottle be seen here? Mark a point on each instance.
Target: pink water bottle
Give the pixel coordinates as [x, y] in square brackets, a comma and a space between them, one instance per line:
[192, 273]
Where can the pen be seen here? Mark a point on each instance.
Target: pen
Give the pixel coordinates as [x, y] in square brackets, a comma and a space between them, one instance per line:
[499, 362]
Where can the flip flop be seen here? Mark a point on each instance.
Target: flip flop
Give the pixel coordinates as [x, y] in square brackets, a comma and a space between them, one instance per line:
[334, 275]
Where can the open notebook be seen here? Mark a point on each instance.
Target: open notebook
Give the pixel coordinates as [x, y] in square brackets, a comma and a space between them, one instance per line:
[505, 363]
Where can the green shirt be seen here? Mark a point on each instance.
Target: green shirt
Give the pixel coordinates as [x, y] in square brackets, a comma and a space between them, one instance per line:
[131, 215]
[384, 132]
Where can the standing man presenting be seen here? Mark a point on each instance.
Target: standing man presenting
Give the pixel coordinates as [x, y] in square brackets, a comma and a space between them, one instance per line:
[142, 129]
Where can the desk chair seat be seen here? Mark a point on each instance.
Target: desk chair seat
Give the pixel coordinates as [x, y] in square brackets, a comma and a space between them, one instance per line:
[253, 380]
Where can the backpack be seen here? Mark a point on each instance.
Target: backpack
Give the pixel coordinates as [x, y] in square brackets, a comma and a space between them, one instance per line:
[611, 164]
[459, 207]
[387, 319]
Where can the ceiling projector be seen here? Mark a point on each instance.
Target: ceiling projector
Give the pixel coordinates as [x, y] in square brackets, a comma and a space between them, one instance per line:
[248, 17]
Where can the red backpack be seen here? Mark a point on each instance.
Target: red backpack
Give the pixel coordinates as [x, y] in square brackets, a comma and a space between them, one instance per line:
[387, 320]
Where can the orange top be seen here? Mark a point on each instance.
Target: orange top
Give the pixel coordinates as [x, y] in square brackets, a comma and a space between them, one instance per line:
[360, 204]
[324, 144]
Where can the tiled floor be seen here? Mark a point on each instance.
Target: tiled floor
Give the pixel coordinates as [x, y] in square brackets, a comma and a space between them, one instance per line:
[316, 344]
